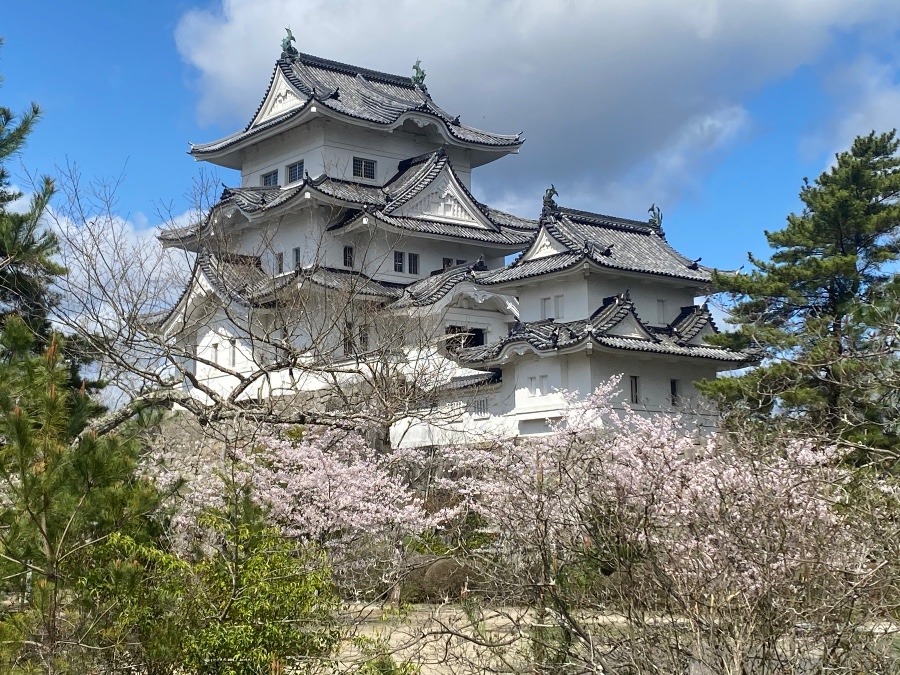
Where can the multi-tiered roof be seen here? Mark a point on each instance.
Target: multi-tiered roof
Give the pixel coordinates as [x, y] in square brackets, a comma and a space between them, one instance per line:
[303, 86]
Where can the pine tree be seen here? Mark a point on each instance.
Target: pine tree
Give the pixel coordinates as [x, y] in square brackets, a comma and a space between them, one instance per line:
[62, 494]
[26, 247]
[822, 312]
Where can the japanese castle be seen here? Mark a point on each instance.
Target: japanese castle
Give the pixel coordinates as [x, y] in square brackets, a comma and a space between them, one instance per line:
[354, 241]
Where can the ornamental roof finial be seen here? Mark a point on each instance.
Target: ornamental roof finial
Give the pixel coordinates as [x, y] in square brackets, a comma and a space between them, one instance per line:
[655, 216]
[549, 202]
[288, 50]
[419, 78]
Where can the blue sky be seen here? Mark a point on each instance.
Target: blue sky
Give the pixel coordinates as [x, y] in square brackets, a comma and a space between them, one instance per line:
[713, 109]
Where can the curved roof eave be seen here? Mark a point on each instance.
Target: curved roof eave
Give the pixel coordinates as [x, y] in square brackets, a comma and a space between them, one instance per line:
[226, 148]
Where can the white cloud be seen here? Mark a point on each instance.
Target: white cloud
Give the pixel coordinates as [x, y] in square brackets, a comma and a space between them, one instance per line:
[23, 203]
[598, 87]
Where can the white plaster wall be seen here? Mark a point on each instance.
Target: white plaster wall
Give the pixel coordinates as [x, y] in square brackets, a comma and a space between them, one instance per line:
[645, 290]
[306, 142]
[220, 331]
[378, 258]
[343, 142]
[655, 373]
[573, 288]
[646, 294]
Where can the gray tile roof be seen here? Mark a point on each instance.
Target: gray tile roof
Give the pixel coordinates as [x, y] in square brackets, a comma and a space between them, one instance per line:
[413, 176]
[431, 289]
[550, 336]
[359, 93]
[241, 279]
[691, 320]
[605, 241]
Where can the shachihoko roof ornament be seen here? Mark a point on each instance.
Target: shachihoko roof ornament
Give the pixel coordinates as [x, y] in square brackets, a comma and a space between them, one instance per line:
[288, 50]
[549, 205]
[419, 78]
[655, 217]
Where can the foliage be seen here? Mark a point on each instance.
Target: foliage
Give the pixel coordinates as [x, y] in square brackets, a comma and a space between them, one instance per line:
[255, 601]
[709, 552]
[26, 248]
[823, 311]
[61, 495]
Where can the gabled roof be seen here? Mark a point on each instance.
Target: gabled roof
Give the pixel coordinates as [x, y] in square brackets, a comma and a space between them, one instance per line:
[352, 92]
[614, 325]
[406, 207]
[241, 279]
[431, 289]
[394, 205]
[568, 237]
[691, 321]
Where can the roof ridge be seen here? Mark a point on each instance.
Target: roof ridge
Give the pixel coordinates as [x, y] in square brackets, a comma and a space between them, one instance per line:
[604, 219]
[350, 69]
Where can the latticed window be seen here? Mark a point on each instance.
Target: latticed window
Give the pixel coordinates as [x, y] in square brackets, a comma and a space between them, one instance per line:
[480, 406]
[398, 261]
[364, 168]
[635, 389]
[348, 257]
[269, 179]
[295, 172]
[413, 260]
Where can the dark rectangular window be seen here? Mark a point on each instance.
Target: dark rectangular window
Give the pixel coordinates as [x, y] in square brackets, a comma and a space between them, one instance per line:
[673, 392]
[462, 337]
[398, 261]
[348, 257]
[448, 262]
[635, 389]
[295, 172]
[298, 258]
[413, 259]
[364, 337]
[269, 179]
[279, 262]
[349, 342]
[364, 168]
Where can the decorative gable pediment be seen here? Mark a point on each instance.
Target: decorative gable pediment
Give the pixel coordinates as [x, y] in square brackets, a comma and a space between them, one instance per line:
[543, 246]
[282, 97]
[444, 199]
[700, 338]
[629, 327]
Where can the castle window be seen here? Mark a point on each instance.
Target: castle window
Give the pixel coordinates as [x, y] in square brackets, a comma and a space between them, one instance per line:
[295, 172]
[348, 257]
[298, 258]
[463, 337]
[558, 307]
[480, 406]
[349, 338]
[364, 168]
[661, 313]
[214, 352]
[537, 385]
[673, 392]
[232, 352]
[546, 308]
[279, 262]
[269, 179]
[364, 337]
[447, 263]
[398, 261]
[635, 389]
[413, 259]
